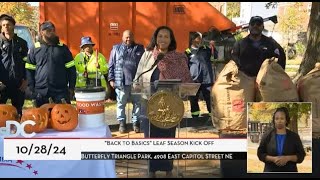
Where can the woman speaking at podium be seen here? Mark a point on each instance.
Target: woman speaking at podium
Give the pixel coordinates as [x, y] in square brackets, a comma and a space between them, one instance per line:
[161, 62]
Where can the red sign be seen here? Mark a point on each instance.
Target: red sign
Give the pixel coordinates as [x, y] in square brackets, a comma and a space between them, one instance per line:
[238, 105]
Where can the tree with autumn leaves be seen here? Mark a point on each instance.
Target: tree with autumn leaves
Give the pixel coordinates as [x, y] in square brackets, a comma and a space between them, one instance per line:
[299, 113]
[22, 12]
[311, 56]
[291, 22]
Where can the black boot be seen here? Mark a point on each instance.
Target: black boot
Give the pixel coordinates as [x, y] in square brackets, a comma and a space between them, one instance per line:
[136, 127]
[122, 127]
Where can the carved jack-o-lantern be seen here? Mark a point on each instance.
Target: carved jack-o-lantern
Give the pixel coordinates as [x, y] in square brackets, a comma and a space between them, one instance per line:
[48, 107]
[7, 112]
[39, 115]
[64, 117]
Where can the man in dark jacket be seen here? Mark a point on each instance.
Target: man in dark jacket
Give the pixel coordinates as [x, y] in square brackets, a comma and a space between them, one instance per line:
[123, 64]
[250, 52]
[50, 68]
[201, 71]
[13, 53]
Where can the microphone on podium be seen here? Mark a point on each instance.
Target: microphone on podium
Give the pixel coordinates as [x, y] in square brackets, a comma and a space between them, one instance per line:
[159, 58]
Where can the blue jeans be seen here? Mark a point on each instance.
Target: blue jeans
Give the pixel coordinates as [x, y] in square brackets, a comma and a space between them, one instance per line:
[123, 96]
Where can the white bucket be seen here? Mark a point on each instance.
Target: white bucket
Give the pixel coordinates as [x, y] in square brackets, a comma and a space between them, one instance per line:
[90, 106]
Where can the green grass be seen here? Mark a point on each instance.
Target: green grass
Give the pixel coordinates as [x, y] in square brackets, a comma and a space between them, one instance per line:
[292, 69]
[296, 61]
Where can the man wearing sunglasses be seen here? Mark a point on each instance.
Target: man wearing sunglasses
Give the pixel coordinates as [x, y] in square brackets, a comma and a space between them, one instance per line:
[250, 52]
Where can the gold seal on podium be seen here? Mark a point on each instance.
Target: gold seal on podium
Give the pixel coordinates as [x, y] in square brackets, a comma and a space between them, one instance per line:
[165, 109]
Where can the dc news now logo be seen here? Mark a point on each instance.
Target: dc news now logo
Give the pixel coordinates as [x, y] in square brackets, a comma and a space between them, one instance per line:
[9, 131]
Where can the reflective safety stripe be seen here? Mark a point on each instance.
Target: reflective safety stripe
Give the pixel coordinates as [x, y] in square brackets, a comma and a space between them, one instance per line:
[195, 113]
[30, 66]
[69, 64]
[188, 50]
[25, 58]
[37, 45]
[80, 74]
[91, 74]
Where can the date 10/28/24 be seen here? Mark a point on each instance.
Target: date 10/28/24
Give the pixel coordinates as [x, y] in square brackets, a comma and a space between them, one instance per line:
[44, 149]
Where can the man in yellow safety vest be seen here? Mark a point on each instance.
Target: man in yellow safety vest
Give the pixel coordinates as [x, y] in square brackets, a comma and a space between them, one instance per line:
[91, 71]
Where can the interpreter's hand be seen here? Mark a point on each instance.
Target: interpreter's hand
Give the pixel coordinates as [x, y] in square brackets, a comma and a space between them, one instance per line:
[24, 85]
[112, 84]
[281, 160]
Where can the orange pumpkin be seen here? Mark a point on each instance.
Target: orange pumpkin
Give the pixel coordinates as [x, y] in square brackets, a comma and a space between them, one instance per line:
[48, 107]
[7, 112]
[39, 115]
[64, 117]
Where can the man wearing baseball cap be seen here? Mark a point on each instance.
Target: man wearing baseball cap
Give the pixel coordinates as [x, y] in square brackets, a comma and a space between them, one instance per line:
[50, 68]
[250, 52]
